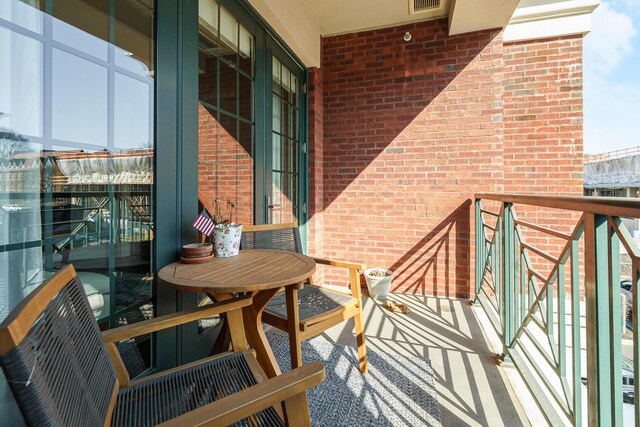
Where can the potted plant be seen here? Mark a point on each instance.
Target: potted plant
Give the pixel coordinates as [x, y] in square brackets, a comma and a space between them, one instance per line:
[378, 282]
[226, 234]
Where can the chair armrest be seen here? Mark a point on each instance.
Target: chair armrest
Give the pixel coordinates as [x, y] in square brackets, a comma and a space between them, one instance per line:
[336, 263]
[254, 399]
[354, 273]
[173, 319]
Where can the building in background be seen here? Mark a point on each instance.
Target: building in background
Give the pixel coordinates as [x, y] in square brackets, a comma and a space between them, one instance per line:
[613, 174]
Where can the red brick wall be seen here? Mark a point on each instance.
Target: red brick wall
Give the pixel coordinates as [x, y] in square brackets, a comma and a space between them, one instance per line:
[412, 130]
[315, 226]
[543, 132]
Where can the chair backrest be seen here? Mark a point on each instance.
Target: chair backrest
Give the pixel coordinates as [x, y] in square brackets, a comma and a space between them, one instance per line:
[54, 357]
[284, 237]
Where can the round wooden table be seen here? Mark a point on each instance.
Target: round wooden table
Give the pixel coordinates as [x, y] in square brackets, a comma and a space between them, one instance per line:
[261, 273]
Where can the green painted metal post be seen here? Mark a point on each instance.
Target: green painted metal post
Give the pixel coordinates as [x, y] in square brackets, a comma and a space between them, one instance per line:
[479, 259]
[604, 408]
[615, 331]
[635, 274]
[508, 278]
[576, 330]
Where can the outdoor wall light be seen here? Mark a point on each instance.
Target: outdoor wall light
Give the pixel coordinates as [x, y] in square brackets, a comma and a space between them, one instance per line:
[407, 36]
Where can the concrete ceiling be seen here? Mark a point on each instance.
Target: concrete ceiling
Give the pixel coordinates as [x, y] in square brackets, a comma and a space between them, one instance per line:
[302, 23]
[347, 16]
[474, 15]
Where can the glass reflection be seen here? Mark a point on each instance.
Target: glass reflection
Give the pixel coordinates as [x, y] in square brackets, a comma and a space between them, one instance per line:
[76, 155]
[225, 116]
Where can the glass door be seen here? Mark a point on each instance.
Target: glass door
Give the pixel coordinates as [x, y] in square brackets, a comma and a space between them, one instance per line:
[286, 148]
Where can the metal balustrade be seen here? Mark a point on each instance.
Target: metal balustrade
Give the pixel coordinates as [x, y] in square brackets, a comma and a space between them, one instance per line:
[538, 312]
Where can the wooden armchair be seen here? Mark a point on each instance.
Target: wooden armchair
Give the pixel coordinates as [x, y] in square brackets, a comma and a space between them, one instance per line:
[64, 372]
[318, 308]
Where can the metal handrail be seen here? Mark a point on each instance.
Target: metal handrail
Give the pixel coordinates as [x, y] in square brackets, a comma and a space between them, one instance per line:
[523, 304]
[614, 206]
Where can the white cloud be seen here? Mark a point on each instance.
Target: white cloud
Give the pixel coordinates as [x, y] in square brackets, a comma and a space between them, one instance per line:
[610, 40]
[631, 3]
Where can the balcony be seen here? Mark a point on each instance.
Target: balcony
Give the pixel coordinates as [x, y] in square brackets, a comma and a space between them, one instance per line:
[393, 138]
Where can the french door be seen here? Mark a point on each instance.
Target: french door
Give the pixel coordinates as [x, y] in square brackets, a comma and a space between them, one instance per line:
[285, 166]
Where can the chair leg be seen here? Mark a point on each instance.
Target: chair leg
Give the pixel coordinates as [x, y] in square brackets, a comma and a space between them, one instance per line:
[296, 411]
[362, 345]
[293, 320]
[354, 279]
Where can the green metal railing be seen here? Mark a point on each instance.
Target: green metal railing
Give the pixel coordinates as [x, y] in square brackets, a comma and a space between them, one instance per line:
[536, 299]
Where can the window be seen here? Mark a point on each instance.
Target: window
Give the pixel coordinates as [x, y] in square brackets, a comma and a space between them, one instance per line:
[76, 155]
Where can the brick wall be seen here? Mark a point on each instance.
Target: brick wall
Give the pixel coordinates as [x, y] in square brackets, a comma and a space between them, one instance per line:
[410, 131]
[315, 226]
[543, 132]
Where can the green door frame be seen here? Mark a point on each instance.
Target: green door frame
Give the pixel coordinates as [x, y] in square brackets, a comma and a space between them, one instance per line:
[176, 152]
[177, 158]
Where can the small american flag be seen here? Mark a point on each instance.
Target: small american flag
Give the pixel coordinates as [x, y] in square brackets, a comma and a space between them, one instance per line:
[204, 223]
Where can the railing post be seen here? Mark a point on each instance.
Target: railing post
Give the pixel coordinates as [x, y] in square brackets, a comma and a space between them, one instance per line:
[479, 259]
[508, 278]
[605, 407]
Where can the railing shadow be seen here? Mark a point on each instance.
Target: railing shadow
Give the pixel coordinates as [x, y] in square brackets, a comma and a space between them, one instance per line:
[433, 255]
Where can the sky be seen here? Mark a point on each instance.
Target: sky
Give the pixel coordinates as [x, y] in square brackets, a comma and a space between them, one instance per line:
[612, 77]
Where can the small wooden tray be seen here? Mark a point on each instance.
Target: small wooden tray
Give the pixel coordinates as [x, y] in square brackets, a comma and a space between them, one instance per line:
[196, 260]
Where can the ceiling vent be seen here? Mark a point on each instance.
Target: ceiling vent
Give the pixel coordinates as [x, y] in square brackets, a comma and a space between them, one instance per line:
[418, 6]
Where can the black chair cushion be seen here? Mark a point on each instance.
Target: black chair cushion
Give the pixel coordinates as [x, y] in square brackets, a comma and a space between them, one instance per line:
[312, 301]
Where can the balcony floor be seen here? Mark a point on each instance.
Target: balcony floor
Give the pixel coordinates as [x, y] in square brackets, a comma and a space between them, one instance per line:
[472, 389]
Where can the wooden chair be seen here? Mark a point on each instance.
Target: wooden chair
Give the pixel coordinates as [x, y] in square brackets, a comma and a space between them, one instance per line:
[64, 372]
[317, 308]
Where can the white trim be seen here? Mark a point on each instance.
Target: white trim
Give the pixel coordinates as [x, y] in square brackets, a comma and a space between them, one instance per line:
[550, 20]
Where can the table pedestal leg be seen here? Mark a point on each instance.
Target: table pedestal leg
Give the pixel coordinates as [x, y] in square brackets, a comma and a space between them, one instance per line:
[223, 340]
[255, 332]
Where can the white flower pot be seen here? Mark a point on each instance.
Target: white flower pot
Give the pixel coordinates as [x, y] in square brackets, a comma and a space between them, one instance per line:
[378, 286]
[226, 240]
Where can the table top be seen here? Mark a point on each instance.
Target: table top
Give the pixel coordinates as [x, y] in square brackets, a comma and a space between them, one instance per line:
[249, 271]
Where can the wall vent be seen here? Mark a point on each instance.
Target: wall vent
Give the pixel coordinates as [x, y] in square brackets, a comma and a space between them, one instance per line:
[417, 6]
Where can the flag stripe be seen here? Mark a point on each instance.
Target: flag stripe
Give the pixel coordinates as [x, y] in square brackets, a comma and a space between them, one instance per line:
[204, 223]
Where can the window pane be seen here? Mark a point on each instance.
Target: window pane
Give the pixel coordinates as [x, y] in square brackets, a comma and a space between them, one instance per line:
[21, 84]
[246, 51]
[79, 109]
[208, 12]
[229, 36]
[134, 36]
[277, 77]
[83, 25]
[284, 119]
[246, 97]
[208, 80]
[277, 115]
[25, 13]
[228, 88]
[294, 91]
[133, 112]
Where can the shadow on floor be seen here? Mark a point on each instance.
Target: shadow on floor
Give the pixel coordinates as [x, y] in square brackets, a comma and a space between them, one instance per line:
[472, 389]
